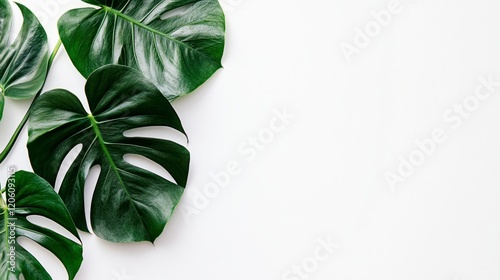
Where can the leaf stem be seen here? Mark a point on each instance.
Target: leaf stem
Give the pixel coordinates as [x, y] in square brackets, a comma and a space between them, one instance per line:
[54, 53]
[23, 122]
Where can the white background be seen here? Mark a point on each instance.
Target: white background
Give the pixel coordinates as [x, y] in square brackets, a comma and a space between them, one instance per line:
[323, 175]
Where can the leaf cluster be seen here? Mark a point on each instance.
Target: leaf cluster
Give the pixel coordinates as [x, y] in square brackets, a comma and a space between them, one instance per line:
[137, 57]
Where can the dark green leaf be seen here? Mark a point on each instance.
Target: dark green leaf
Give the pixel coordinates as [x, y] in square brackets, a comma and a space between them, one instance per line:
[129, 203]
[23, 64]
[178, 51]
[28, 195]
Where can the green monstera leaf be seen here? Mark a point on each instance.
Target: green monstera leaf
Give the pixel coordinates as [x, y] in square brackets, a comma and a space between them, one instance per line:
[129, 203]
[177, 44]
[23, 63]
[29, 195]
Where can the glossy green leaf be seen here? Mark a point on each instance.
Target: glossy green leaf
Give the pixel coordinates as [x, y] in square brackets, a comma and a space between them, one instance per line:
[23, 64]
[177, 44]
[29, 195]
[129, 203]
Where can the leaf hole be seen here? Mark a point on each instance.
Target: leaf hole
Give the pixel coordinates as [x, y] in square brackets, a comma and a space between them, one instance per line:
[158, 132]
[66, 164]
[90, 185]
[49, 261]
[149, 165]
[49, 224]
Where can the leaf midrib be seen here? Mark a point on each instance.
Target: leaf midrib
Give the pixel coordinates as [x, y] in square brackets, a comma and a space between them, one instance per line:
[106, 152]
[142, 25]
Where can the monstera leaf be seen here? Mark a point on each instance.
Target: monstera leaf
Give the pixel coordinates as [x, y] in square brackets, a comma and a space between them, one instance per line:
[129, 203]
[177, 44]
[22, 63]
[29, 195]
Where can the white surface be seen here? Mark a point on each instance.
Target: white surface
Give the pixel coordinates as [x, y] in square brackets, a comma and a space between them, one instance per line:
[323, 174]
